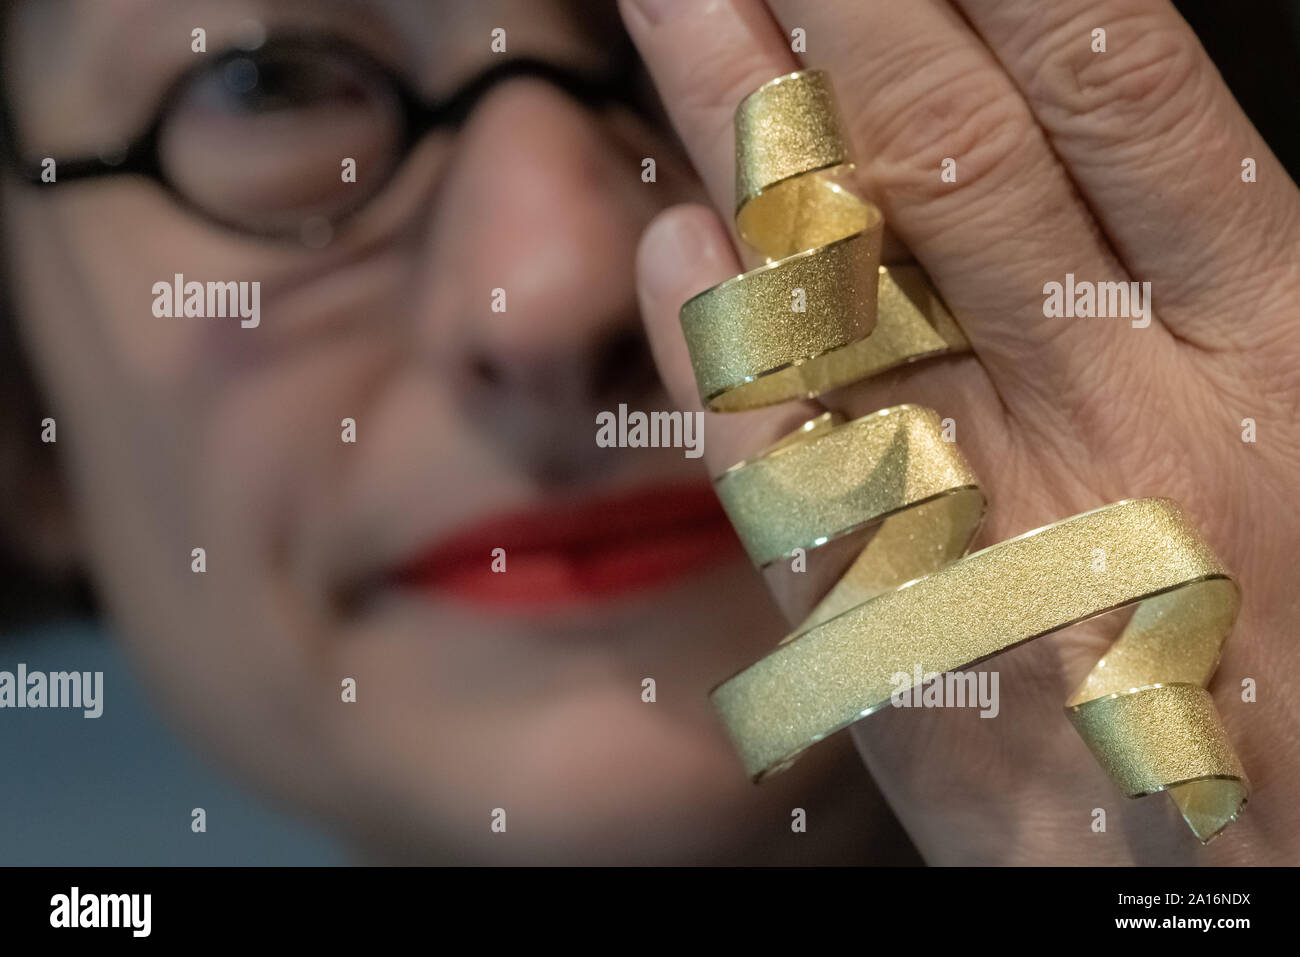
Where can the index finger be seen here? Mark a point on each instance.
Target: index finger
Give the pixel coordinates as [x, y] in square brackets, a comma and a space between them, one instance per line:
[746, 49]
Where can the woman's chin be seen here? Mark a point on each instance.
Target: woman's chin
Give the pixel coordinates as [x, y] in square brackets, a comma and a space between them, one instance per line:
[587, 736]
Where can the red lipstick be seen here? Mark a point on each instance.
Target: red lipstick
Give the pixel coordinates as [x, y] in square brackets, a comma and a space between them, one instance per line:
[575, 553]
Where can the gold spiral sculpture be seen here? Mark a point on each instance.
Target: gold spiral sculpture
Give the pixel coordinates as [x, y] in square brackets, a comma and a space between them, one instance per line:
[910, 597]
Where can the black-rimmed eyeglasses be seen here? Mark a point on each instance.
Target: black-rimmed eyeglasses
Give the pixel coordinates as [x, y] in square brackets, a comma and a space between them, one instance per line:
[289, 139]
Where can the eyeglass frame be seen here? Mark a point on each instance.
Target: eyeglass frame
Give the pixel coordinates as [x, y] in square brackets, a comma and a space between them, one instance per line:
[420, 116]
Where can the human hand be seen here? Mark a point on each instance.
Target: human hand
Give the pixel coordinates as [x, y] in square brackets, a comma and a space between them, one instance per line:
[1123, 165]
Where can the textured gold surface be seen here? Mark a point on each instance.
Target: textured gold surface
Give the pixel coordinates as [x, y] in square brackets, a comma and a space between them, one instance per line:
[825, 484]
[787, 127]
[1148, 737]
[909, 600]
[890, 470]
[748, 345]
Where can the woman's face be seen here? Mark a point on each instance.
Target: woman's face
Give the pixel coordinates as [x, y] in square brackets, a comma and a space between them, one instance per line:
[475, 429]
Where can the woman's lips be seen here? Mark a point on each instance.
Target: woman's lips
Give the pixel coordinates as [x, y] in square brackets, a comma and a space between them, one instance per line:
[580, 552]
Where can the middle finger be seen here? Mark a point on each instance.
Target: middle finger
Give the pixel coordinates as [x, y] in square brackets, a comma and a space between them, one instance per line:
[918, 86]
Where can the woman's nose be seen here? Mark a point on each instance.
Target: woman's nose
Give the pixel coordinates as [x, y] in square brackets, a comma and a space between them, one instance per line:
[530, 297]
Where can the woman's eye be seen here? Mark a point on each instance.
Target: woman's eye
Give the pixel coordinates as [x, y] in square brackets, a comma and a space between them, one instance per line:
[276, 80]
[258, 138]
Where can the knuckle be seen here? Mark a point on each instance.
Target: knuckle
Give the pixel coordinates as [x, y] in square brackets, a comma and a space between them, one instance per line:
[710, 87]
[959, 109]
[1153, 74]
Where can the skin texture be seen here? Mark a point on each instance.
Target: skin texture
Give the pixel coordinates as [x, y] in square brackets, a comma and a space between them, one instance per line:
[177, 433]
[1117, 166]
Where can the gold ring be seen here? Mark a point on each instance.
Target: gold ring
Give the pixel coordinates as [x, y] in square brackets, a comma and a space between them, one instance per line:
[910, 604]
[822, 311]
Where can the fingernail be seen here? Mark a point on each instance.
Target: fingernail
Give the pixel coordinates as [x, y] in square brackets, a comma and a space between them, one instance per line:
[656, 12]
[674, 248]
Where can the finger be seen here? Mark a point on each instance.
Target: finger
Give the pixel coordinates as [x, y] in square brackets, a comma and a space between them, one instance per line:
[685, 250]
[919, 90]
[1156, 143]
[705, 57]
[917, 85]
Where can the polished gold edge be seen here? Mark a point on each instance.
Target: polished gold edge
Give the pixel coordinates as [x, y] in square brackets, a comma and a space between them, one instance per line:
[775, 264]
[709, 400]
[804, 74]
[712, 398]
[883, 516]
[843, 163]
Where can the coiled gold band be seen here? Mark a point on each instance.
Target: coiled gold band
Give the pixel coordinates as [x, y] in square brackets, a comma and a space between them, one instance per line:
[797, 326]
[910, 603]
